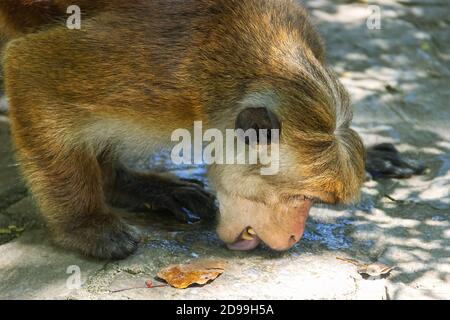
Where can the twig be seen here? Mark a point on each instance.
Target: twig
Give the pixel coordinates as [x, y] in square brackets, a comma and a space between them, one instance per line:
[355, 262]
[148, 285]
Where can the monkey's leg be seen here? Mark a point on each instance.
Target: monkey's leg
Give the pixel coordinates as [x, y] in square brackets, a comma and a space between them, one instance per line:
[384, 161]
[68, 186]
[142, 192]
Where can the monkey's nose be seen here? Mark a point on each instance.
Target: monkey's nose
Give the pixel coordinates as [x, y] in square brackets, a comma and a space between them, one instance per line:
[286, 243]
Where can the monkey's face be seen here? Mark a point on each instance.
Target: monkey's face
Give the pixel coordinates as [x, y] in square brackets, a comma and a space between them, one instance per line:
[245, 223]
[320, 159]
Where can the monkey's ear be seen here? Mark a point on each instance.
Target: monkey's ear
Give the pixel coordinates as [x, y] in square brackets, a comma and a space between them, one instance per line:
[261, 120]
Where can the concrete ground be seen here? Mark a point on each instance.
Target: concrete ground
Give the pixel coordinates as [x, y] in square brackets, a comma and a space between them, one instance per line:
[399, 80]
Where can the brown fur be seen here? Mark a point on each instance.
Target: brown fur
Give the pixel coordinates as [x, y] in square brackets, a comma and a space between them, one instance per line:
[18, 17]
[139, 70]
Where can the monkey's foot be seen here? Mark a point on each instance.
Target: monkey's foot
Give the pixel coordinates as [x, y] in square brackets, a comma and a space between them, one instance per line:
[186, 199]
[102, 237]
[384, 161]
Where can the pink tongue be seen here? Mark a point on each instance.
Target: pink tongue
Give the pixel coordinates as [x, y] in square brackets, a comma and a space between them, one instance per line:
[245, 245]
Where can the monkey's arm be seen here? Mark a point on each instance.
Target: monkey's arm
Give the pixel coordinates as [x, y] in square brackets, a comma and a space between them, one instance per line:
[384, 161]
[187, 200]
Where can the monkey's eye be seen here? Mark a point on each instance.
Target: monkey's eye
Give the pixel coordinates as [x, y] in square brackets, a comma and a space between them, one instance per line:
[256, 125]
[300, 198]
[303, 197]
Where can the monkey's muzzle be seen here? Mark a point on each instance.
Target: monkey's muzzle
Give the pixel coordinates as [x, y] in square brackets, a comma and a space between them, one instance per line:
[244, 224]
[248, 240]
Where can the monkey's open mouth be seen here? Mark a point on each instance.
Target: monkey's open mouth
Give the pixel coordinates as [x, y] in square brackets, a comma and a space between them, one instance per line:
[283, 230]
[247, 240]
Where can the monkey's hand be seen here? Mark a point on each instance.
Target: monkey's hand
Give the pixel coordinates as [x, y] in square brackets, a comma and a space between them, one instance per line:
[186, 199]
[384, 161]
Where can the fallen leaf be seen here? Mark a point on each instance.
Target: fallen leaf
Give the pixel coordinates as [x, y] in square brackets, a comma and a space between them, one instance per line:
[375, 270]
[181, 276]
[148, 285]
[370, 271]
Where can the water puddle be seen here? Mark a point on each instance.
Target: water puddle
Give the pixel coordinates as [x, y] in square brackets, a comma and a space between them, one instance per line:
[332, 235]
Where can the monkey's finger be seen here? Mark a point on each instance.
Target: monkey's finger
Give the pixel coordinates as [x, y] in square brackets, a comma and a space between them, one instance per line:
[388, 147]
[116, 243]
[382, 168]
[196, 201]
[200, 188]
[384, 161]
[415, 165]
[182, 214]
[194, 181]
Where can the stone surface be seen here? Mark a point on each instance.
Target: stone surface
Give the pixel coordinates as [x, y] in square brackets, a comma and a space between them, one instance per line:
[398, 78]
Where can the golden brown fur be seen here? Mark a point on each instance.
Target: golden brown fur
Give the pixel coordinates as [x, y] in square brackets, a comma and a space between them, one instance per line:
[18, 17]
[137, 70]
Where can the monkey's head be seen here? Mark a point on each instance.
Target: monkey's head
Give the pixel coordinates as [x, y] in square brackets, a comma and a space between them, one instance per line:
[321, 159]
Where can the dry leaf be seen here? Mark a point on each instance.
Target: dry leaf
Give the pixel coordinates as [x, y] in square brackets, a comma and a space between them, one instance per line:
[182, 276]
[375, 270]
[370, 271]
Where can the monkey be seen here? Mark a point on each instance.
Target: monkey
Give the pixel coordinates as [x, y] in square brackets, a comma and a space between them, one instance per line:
[138, 70]
[20, 17]
[384, 161]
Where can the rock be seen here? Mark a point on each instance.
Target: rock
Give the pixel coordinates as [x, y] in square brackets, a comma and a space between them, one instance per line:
[31, 268]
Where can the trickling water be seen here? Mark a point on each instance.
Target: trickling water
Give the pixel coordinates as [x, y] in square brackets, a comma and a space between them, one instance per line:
[166, 233]
[332, 235]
